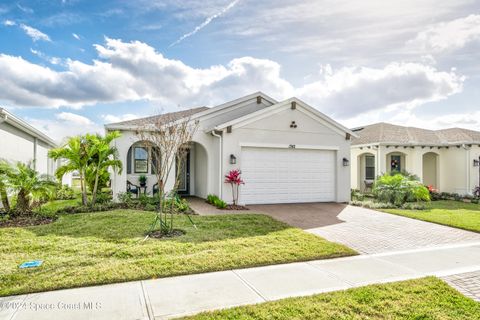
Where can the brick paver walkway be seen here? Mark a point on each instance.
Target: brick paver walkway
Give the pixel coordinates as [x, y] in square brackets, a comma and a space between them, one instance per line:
[466, 283]
[369, 231]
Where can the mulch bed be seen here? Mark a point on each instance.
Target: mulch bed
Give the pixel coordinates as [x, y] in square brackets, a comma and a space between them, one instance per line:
[236, 207]
[24, 221]
[157, 234]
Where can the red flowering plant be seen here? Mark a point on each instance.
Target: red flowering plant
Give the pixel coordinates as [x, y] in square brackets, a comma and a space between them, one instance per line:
[235, 180]
[434, 195]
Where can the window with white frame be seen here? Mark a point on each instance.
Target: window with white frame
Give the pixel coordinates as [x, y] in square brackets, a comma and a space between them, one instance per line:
[369, 168]
[140, 163]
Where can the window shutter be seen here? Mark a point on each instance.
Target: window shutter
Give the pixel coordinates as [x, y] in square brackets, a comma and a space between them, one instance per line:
[129, 161]
[155, 151]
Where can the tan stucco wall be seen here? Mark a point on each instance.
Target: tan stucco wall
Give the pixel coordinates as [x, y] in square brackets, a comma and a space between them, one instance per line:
[455, 171]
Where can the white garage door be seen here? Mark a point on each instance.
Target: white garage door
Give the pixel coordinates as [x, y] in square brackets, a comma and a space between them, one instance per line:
[287, 175]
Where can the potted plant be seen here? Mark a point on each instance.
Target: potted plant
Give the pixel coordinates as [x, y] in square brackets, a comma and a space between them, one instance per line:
[143, 180]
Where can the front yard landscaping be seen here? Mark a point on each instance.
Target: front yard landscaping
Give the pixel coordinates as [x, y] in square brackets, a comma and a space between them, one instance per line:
[427, 298]
[105, 247]
[447, 212]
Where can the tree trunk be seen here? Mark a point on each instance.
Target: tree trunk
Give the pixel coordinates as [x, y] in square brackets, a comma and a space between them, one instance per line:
[95, 186]
[4, 196]
[23, 202]
[82, 187]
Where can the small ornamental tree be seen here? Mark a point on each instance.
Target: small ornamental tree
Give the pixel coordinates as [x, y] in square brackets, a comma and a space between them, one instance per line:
[168, 140]
[235, 180]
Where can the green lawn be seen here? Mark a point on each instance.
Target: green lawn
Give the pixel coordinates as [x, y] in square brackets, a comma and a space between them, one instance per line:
[427, 298]
[447, 212]
[96, 248]
[55, 205]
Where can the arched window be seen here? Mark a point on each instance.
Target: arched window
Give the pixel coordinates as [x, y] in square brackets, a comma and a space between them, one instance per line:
[138, 159]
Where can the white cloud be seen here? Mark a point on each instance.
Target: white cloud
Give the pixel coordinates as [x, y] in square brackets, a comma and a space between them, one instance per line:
[135, 71]
[25, 9]
[74, 118]
[52, 60]
[76, 36]
[9, 23]
[65, 124]
[35, 34]
[205, 23]
[450, 35]
[468, 120]
[110, 118]
[351, 91]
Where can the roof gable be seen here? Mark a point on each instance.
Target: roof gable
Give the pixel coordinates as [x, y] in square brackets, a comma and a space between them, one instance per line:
[281, 106]
[210, 116]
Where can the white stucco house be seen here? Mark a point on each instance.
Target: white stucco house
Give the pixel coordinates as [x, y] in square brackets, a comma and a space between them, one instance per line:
[288, 152]
[20, 142]
[445, 159]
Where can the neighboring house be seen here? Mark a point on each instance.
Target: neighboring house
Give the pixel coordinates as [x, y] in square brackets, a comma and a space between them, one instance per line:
[443, 159]
[20, 142]
[288, 152]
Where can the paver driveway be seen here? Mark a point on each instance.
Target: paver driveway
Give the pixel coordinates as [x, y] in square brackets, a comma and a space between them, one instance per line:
[365, 230]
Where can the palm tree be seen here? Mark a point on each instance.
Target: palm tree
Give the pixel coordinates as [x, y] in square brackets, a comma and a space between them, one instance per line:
[29, 185]
[76, 154]
[5, 171]
[105, 157]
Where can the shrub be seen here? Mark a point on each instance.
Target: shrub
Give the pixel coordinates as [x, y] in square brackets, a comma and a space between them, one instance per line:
[104, 197]
[373, 205]
[399, 189]
[220, 204]
[414, 206]
[125, 197]
[180, 205]
[216, 201]
[211, 198]
[64, 192]
[355, 194]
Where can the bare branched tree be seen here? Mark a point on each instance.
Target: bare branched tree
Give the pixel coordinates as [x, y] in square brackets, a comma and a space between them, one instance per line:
[168, 141]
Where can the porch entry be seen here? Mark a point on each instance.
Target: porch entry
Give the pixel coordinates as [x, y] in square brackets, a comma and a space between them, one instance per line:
[183, 168]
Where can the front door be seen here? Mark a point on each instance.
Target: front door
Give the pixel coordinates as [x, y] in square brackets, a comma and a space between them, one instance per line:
[183, 169]
[396, 164]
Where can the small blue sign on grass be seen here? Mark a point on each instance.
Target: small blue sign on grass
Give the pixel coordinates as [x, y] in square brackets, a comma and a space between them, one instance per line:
[31, 264]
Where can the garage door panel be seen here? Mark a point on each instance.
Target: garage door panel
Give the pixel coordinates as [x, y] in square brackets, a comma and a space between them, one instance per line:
[287, 175]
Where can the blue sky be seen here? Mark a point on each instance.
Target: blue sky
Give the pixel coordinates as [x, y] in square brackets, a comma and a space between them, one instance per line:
[71, 66]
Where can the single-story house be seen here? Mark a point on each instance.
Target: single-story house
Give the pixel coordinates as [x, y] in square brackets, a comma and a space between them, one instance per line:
[20, 142]
[287, 151]
[445, 159]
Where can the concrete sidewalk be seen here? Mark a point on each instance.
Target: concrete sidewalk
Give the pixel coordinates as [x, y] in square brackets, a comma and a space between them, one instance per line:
[184, 295]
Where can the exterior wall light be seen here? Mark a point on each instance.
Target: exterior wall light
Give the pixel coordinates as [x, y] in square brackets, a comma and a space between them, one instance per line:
[233, 159]
[346, 162]
[476, 163]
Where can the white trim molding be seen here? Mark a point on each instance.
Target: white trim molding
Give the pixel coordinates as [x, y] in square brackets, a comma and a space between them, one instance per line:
[286, 146]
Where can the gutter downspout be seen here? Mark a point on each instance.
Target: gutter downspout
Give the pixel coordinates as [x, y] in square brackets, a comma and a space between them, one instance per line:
[467, 156]
[220, 163]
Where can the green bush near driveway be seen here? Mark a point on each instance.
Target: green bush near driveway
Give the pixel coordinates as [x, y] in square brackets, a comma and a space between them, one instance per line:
[399, 189]
[427, 298]
[447, 212]
[106, 247]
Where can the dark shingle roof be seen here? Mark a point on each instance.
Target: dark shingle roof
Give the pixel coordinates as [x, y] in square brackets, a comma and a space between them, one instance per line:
[389, 133]
[171, 116]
